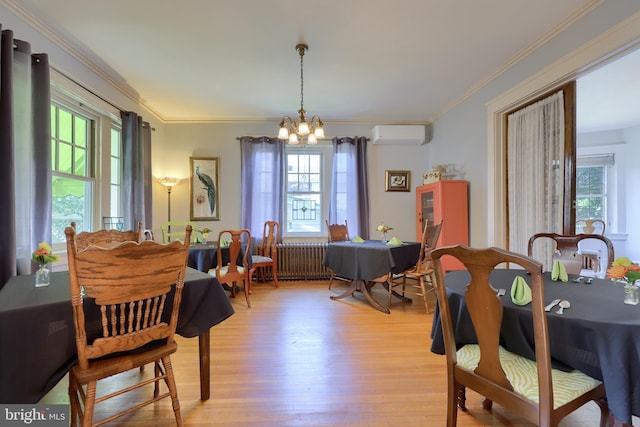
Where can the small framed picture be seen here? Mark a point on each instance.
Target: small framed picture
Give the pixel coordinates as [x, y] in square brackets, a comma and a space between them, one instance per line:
[397, 180]
[204, 189]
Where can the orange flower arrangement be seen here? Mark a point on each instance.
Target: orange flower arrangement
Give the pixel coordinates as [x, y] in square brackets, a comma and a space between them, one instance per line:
[44, 255]
[624, 269]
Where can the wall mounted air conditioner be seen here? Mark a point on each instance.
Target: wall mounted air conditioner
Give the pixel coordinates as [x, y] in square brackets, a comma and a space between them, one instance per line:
[399, 134]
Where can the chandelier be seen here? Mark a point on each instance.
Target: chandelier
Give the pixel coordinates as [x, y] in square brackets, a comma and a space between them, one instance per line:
[295, 132]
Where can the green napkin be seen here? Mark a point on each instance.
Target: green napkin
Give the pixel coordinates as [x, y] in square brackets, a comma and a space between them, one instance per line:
[394, 242]
[520, 291]
[559, 272]
[357, 239]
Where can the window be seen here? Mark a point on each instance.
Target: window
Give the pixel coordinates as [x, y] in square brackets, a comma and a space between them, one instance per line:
[86, 164]
[591, 186]
[306, 197]
[72, 145]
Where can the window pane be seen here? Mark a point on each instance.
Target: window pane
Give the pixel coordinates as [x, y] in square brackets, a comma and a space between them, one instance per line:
[71, 201]
[64, 158]
[590, 192]
[65, 127]
[80, 132]
[80, 162]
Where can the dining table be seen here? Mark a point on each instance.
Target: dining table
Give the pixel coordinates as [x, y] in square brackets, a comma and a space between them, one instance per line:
[37, 333]
[598, 334]
[365, 261]
[204, 256]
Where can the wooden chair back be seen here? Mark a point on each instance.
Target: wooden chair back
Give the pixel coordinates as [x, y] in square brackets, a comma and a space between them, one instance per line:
[174, 229]
[591, 226]
[567, 250]
[267, 252]
[338, 232]
[107, 238]
[270, 239]
[233, 271]
[486, 312]
[130, 283]
[430, 237]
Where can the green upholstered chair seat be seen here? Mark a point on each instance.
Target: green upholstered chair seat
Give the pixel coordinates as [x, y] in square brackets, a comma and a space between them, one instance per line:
[522, 374]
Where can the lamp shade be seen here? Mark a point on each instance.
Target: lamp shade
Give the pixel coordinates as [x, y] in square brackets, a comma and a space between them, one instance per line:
[169, 181]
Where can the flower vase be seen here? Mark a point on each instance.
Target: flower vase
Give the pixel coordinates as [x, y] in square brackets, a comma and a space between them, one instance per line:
[384, 237]
[631, 294]
[43, 276]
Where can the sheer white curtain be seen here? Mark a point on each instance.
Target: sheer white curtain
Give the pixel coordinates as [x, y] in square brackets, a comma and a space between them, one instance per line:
[535, 153]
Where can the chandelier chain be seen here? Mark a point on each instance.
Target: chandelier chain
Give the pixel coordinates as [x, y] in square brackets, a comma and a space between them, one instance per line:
[301, 80]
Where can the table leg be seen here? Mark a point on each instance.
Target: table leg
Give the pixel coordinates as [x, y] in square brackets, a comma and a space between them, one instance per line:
[205, 374]
[398, 295]
[359, 285]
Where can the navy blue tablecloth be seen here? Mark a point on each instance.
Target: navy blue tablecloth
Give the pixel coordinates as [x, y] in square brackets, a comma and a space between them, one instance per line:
[371, 259]
[37, 336]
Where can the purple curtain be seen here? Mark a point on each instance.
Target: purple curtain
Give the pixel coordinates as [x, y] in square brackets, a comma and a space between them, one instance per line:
[136, 179]
[25, 155]
[262, 182]
[349, 185]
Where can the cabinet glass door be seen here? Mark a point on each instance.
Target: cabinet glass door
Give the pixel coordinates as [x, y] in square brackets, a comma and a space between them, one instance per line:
[426, 207]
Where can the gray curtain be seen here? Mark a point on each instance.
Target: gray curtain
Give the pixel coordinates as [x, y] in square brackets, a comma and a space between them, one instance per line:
[349, 185]
[262, 182]
[25, 155]
[136, 179]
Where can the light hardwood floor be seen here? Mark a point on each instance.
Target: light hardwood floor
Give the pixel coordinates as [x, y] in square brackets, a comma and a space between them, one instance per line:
[297, 358]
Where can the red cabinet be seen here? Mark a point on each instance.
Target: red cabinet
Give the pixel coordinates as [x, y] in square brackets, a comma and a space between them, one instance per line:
[448, 201]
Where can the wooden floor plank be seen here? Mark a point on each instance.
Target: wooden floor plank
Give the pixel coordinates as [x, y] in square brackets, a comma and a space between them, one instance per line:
[297, 358]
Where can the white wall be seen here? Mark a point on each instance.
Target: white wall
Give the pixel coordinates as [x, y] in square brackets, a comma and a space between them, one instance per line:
[463, 133]
[171, 157]
[459, 136]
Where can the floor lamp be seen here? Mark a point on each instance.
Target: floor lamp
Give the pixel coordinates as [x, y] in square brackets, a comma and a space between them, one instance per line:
[169, 182]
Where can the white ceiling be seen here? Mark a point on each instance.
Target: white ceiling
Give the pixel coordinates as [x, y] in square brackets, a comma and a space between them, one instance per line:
[377, 61]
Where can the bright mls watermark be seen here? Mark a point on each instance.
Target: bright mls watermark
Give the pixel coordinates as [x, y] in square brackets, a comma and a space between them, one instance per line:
[34, 415]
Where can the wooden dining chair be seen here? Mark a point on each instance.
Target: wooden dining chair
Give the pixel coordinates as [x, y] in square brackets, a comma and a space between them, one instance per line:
[266, 256]
[337, 233]
[233, 272]
[419, 278]
[108, 238]
[568, 252]
[132, 286]
[531, 389]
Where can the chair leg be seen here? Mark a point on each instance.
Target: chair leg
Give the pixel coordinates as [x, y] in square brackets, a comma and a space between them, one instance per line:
[275, 275]
[173, 390]
[487, 404]
[462, 398]
[89, 404]
[424, 293]
[247, 290]
[73, 399]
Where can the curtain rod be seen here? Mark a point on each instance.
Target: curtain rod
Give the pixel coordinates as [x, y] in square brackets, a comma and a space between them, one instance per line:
[238, 138]
[74, 81]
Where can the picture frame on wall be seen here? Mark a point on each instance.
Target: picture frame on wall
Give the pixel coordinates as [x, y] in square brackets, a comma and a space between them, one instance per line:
[397, 180]
[204, 188]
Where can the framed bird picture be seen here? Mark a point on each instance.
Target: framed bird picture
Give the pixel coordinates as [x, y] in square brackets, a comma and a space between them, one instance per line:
[204, 188]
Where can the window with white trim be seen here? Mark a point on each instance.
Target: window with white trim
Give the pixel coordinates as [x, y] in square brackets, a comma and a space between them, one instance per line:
[306, 182]
[591, 186]
[86, 163]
